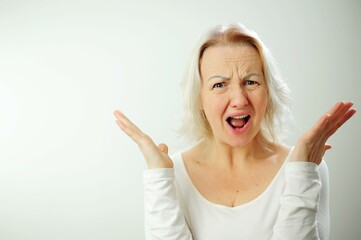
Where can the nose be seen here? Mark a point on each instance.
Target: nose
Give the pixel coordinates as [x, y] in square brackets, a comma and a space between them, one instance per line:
[238, 97]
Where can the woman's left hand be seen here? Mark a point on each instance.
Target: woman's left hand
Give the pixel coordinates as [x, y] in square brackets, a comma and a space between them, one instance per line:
[311, 146]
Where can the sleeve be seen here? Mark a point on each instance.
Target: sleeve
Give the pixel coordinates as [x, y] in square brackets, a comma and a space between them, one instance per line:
[164, 219]
[304, 208]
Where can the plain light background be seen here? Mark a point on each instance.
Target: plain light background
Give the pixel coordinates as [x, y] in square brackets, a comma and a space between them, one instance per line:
[68, 172]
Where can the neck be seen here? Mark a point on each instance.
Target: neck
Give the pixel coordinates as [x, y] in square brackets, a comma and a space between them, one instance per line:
[227, 157]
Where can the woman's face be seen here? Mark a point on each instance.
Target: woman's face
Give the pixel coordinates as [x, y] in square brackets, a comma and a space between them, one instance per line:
[233, 92]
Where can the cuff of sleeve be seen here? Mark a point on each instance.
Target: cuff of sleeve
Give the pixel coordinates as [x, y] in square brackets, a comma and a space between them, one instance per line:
[303, 184]
[302, 170]
[157, 174]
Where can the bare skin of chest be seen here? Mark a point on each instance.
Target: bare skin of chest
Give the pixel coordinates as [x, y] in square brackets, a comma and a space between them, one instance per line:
[232, 187]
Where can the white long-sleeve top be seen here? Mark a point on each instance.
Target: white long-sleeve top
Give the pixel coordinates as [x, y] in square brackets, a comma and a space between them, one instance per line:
[294, 206]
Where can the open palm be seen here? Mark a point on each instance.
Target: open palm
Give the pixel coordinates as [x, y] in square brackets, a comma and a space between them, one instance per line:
[156, 156]
[311, 146]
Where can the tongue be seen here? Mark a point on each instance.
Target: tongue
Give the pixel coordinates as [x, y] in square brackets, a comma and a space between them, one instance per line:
[237, 122]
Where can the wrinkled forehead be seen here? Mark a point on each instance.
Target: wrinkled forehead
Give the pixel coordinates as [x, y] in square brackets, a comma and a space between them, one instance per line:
[223, 56]
[244, 50]
[239, 44]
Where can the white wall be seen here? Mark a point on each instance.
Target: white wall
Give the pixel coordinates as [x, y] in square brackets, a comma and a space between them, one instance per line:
[68, 172]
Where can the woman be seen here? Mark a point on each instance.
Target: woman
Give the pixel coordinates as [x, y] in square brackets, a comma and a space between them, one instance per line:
[238, 181]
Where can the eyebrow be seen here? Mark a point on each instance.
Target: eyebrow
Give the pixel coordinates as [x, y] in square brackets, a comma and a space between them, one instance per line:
[227, 78]
[218, 76]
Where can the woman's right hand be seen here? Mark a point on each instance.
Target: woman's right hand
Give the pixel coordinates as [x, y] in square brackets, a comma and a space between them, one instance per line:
[156, 156]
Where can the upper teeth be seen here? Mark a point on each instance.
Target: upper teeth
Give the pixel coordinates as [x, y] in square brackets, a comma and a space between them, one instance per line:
[240, 117]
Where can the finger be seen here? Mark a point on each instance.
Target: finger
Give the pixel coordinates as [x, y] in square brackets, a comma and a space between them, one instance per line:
[323, 120]
[129, 127]
[338, 118]
[335, 116]
[333, 113]
[327, 147]
[319, 127]
[341, 121]
[126, 123]
[335, 109]
[163, 148]
[340, 111]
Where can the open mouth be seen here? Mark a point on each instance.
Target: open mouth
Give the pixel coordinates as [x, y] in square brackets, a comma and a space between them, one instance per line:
[238, 122]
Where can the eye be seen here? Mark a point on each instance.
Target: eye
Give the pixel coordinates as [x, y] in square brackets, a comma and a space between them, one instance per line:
[251, 85]
[219, 85]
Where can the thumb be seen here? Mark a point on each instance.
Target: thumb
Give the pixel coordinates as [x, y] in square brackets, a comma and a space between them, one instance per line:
[326, 147]
[163, 148]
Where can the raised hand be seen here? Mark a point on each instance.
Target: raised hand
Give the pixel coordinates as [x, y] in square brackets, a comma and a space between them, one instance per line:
[156, 156]
[311, 146]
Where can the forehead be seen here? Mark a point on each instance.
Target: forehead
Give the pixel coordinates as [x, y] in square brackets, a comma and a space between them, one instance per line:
[221, 56]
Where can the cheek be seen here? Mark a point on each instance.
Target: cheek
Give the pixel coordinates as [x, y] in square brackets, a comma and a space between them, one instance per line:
[212, 107]
[205, 100]
[263, 102]
[260, 101]
[207, 107]
[213, 103]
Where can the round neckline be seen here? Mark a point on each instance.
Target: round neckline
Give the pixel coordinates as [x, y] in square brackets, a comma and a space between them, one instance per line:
[253, 201]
